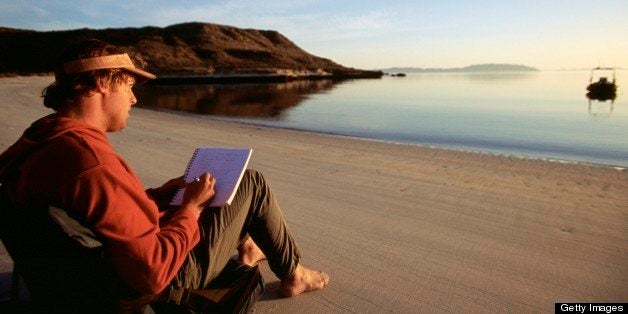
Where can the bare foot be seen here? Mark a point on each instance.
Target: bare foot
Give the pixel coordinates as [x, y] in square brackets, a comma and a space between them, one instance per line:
[303, 280]
[249, 253]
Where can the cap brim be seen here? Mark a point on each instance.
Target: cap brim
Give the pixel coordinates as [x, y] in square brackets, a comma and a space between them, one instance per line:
[140, 75]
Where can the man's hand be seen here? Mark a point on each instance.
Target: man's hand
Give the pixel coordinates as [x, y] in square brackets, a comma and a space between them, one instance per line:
[172, 186]
[198, 193]
[164, 194]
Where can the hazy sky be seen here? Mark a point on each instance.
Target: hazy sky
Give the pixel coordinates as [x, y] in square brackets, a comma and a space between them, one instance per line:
[547, 34]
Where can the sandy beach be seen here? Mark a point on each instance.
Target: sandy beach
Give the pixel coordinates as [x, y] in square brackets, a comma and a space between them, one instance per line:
[401, 228]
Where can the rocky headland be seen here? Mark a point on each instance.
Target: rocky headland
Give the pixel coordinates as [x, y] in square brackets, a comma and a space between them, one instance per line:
[181, 52]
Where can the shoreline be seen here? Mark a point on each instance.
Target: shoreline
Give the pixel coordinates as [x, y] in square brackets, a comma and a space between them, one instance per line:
[259, 78]
[401, 227]
[506, 154]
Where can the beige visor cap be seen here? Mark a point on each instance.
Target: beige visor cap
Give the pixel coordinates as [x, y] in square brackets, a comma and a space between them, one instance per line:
[120, 61]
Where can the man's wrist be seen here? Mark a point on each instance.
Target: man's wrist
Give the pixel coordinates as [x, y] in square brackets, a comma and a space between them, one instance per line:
[194, 209]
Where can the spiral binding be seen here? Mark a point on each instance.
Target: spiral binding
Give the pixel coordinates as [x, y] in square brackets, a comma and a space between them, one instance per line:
[187, 169]
[186, 174]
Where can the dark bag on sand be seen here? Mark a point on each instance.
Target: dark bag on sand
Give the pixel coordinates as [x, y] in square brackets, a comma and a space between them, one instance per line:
[235, 290]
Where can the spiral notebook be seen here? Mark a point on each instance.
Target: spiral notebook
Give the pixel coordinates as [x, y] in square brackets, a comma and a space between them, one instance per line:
[227, 165]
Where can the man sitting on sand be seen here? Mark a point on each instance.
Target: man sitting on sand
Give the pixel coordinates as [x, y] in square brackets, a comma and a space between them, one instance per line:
[65, 160]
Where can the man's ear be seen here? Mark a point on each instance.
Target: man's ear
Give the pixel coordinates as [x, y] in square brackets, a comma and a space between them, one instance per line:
[102, 86]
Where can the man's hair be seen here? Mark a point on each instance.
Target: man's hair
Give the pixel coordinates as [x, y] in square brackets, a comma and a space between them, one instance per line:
[68, 88]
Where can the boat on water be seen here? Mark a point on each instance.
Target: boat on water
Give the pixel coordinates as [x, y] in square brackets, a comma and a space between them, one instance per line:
[602, 88]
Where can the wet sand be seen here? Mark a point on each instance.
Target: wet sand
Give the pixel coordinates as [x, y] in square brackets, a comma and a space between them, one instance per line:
[398, 227]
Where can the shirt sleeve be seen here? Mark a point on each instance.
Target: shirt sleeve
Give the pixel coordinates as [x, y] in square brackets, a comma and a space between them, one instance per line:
[145, 252]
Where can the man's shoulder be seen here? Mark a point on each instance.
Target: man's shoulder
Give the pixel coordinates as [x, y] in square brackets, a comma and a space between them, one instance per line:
[77, 148]
[65, 158]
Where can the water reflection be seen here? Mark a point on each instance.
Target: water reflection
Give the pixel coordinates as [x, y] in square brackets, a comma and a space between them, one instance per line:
[235, 100]
[601, 108]
[499, 76]
[536, 114]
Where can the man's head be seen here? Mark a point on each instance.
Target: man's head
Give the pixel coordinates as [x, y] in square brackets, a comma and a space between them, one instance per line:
[84, 65]
[91, 71]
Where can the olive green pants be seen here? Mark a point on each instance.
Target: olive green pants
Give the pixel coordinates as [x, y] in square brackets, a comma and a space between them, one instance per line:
[254, 212]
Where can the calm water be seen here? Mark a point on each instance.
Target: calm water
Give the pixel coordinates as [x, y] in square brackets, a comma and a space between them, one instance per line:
[543, 114]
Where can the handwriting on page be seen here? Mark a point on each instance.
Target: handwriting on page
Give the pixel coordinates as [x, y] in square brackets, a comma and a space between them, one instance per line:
[225, 164]
[224, 167]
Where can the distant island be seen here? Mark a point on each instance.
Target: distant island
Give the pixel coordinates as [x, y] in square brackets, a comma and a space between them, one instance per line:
[179, 53]
[489, 67]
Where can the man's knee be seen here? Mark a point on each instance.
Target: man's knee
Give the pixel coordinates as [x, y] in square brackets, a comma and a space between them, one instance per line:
[252, 173]
[255, 177]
